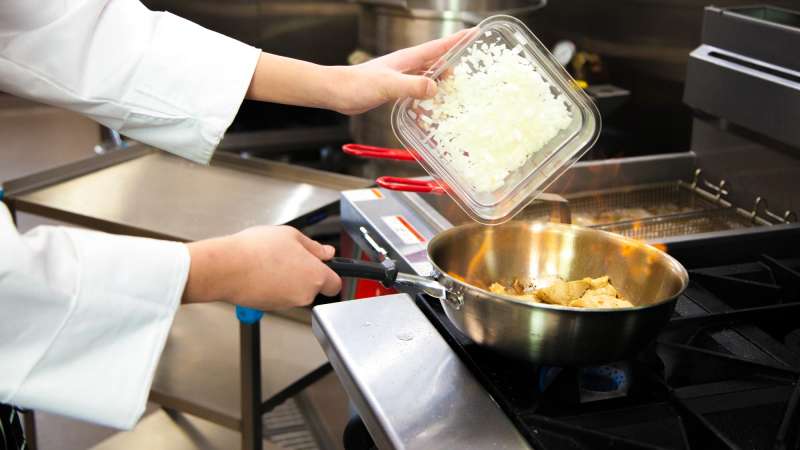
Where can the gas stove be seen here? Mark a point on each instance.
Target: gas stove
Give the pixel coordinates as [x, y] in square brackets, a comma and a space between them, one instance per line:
[723, 374]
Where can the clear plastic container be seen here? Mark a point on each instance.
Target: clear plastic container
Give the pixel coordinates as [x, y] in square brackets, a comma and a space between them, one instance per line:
[416, 126]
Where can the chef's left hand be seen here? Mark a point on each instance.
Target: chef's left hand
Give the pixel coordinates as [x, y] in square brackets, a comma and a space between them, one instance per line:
[389, 77]
[349, 89]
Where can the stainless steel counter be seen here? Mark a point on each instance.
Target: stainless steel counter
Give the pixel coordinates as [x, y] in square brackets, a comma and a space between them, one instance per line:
[410, 388]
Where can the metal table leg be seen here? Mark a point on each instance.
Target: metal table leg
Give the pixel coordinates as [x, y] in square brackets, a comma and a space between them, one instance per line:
[250, 360]
[295, 388]
[29, 426]
[250, 367]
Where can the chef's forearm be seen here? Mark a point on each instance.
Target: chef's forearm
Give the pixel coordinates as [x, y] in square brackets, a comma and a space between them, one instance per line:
[278, 79]
[203, 283]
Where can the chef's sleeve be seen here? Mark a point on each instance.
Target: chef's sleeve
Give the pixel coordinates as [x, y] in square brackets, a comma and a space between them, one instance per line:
[152, 76]
[83, 319]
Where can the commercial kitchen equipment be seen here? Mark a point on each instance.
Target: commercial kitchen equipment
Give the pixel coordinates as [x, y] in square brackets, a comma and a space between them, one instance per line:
[643, 46]
[652, 38]
[300, 29]
[143, 192]
[726, 371]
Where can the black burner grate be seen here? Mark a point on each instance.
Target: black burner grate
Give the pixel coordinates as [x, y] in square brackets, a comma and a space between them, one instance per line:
[725, 373]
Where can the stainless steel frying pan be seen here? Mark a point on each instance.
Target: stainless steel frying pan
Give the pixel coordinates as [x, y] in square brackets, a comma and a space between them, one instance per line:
[468, 257]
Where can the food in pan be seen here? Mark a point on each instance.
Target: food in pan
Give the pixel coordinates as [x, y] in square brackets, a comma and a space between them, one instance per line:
[491, 113]
[584, 293]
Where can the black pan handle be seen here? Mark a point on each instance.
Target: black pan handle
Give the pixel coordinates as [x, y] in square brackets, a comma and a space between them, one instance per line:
[346, 267]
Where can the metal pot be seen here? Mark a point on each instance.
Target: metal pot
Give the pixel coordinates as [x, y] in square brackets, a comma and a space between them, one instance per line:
[468, 257]
[385, 26]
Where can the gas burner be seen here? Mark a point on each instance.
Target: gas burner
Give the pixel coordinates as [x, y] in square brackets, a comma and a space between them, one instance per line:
[725, 373]
[585, 385]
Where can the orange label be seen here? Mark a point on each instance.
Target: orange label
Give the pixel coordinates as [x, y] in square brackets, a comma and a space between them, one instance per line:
[360, 195]
[404, 230]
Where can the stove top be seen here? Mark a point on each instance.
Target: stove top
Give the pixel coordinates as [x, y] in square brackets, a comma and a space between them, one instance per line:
[725, 372]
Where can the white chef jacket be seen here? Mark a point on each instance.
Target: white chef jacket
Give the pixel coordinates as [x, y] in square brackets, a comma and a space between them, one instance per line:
[84, 315]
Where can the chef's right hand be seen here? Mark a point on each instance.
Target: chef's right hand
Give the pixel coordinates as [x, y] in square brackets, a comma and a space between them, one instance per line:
[263, 267]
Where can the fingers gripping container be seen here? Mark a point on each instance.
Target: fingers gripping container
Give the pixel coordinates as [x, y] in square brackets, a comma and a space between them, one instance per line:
[507, 121]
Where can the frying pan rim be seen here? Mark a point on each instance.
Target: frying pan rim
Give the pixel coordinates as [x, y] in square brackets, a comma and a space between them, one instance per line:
[675, 265]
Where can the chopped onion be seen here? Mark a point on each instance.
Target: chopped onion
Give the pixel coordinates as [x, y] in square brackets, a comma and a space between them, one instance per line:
[491, 114]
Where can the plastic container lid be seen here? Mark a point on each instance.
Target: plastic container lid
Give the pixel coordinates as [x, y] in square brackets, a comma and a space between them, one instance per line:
[495, 144]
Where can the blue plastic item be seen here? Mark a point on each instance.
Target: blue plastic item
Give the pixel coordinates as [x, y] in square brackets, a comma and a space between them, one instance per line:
[248, 316]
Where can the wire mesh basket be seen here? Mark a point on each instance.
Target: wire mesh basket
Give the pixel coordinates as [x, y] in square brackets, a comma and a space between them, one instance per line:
[648, 212]
[632, 203]
[645, 212]
[681, 224]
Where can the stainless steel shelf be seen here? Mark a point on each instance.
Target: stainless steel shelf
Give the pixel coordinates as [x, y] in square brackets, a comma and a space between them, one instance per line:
[149, 193]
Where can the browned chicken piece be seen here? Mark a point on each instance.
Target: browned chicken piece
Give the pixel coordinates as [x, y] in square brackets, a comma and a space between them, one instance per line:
[528, 298]
[522, 286]
[601, 287]
[498, 288]
[607, 290]
[599, 282]
[594, 300]
[561, 292]
[585, 293]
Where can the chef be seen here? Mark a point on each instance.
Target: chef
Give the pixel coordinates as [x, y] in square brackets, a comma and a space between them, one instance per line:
[84, 315]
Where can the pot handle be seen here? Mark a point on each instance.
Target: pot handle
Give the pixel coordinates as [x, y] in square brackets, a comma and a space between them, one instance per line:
[385, 273]
[352, 268]
[368, 151]
[410, 185]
